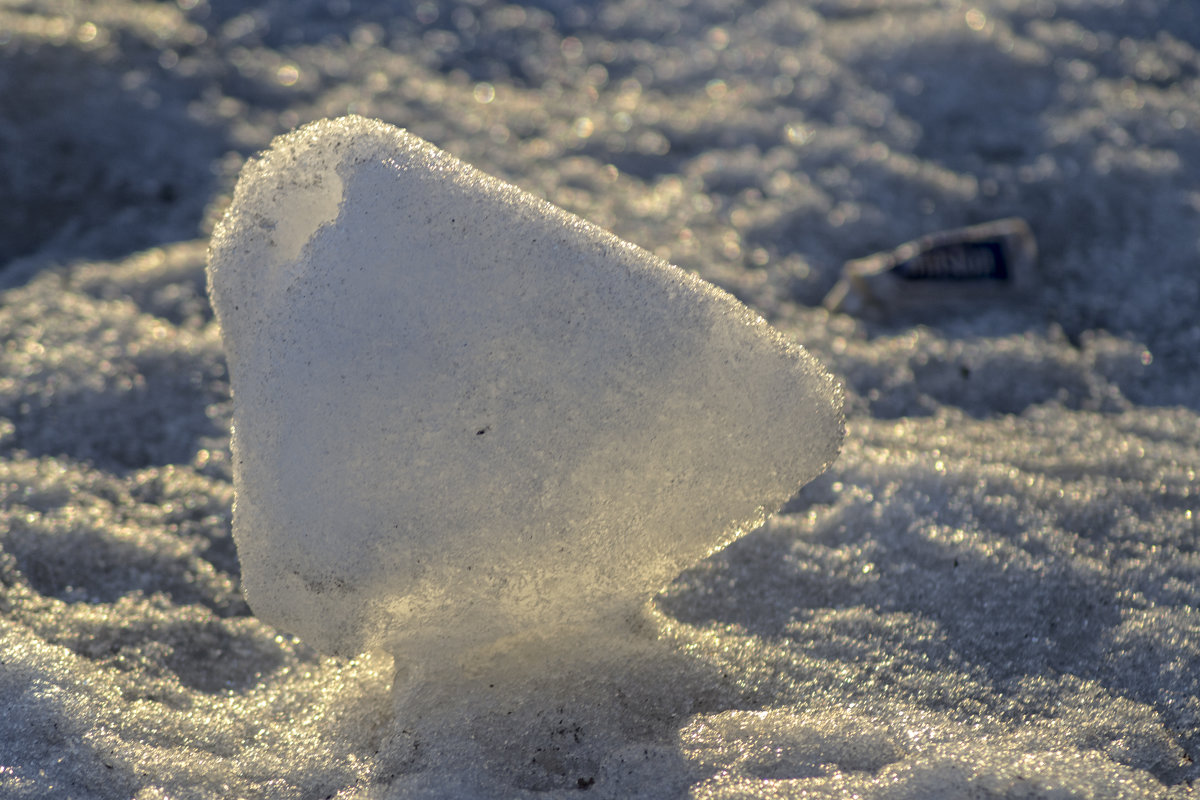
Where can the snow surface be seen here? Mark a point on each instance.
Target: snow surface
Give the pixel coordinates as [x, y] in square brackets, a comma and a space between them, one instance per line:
[992, 592]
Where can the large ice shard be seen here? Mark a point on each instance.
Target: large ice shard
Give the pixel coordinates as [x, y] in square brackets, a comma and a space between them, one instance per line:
[462, 414]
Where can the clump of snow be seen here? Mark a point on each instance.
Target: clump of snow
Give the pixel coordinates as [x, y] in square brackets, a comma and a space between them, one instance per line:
[462, 414]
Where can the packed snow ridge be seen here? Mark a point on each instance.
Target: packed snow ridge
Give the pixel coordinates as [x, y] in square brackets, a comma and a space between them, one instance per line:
[464, 416]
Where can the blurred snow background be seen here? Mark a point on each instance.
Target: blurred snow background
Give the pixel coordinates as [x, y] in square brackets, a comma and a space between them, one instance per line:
[994, 591]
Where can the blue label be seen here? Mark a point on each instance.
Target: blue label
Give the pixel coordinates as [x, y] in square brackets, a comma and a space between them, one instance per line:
[959, 261]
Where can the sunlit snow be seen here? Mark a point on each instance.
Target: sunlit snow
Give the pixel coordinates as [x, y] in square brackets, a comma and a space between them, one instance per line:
[993, 591]
[462, 414]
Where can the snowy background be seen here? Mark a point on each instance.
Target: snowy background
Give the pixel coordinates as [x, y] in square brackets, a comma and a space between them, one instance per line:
[994, 592]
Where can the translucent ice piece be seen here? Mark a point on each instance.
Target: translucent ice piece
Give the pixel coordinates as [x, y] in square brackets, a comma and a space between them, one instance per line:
[462, 414]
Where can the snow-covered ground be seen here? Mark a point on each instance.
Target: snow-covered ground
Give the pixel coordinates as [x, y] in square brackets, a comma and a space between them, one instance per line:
[995, 591]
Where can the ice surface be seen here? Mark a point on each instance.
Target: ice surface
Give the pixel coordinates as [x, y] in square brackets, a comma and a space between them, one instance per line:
[462, 414]
[992, 592]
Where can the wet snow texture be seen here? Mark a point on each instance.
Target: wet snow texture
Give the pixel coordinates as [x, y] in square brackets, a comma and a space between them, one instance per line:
[993, 591]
